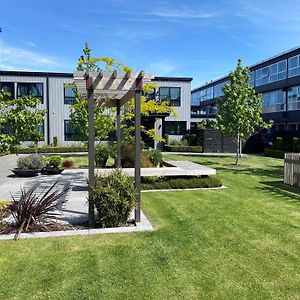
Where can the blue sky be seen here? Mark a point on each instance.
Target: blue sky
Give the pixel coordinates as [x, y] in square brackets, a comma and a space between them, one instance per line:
[199, 39]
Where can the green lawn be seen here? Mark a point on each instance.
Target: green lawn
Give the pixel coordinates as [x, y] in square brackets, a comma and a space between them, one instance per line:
[239, 242]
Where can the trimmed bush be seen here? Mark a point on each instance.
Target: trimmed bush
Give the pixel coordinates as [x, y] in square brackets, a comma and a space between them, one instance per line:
[114, 198]
[102, 153]
[31, 162]
[53, 161]
[193, 149]
[128, 157]
[68, 164]
[52, 149]
[180, 183]
[274, 153]
[155, 156]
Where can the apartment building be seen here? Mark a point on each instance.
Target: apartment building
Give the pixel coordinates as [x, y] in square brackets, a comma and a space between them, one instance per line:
[276, 78]
[56, 95]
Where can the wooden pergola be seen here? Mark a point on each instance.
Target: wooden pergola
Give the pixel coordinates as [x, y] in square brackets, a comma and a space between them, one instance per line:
[112, 89]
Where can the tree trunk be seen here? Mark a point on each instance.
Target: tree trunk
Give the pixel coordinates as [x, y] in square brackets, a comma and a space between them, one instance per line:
[237, 149]
[240, 148]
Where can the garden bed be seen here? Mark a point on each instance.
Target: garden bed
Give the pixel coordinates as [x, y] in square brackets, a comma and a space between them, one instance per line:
[165, 183]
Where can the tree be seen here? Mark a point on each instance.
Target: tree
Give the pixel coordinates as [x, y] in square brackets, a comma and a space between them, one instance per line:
[104, 120]
[240, 112]
[20, 117]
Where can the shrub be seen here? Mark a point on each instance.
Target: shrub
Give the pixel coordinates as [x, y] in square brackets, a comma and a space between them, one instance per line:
[102, 153]
[193, 149]
[54, 161]
[4, 203]
[55, 141]
[182, 142]
[274, 153]
[114, 198]
[52, 149]
[155, 156]
[68, 164]
[181, 183]
[34, 161]
[128, 157]
[32, 206]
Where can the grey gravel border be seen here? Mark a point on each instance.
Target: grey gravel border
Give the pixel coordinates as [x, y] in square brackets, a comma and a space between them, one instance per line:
[144, 225]
[192, 189]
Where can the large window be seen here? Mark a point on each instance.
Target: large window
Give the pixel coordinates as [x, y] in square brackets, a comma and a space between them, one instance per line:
[8, 87]
[273, 101]
[196, 100]
[271, 73]
[294, 66]
[294, 98]
[175, 127]
[69, 94]
[69, 131]
[170, 94]
[218, 89]
[33, 89]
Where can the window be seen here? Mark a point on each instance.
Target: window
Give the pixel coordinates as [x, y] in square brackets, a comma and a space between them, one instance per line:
[4, 129]
[271, 73]
[69, 94]
[69, 131]
[196, 100]
[218, 89]
[33, 89]
[175, 127]
[170, 94]
[294, 66]
[8, 87]
[292, 126]
[252, 78]
[294, 98]
[273, 101]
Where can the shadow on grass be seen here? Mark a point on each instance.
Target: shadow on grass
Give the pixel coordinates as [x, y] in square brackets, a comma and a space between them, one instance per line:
[278, 188]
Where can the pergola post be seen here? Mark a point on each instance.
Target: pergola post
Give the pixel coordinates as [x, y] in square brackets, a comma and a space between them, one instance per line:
[118, 134]
[91, 147]
[137, 173]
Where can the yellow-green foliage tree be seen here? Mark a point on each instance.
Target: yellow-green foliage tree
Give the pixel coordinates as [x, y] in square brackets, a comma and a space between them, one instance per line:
[104, 118]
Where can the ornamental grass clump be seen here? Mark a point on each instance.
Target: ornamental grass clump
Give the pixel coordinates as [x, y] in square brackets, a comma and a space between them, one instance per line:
[114, 198]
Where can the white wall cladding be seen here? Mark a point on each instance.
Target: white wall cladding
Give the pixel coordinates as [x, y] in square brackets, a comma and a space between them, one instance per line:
[32, 79]
[184, 110]
[58, 111]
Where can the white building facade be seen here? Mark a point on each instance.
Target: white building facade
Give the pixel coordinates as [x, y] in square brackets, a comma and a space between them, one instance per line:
[57, 95]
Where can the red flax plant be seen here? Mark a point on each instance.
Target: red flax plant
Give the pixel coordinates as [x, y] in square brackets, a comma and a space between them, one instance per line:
[31, 207]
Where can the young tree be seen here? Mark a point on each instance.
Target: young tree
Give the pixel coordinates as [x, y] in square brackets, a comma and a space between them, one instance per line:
[21, 117]
[240, 112]
[104, 120]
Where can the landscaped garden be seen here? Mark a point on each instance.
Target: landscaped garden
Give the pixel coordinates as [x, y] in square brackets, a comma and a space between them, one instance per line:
[238, 242]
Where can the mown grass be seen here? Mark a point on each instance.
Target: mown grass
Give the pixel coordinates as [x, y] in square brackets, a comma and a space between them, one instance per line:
[239, 242]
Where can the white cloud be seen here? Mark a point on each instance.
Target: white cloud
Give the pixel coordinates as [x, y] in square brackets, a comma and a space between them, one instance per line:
[29, 43]
[161, 68]
[182, 13]
[14, 58]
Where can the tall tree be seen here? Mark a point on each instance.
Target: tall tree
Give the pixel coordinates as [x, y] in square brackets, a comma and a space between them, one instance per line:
[21, 118]
[240, 112]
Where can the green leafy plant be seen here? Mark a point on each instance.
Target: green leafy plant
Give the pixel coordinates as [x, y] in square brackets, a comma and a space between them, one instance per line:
[4, 204]
[155, 156]
[239, 114]
[55, 141]
[102, 153]
[114, 198]
[32, 162]
[53, 161]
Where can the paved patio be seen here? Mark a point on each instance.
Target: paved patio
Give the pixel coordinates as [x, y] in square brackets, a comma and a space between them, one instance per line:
[73, 206]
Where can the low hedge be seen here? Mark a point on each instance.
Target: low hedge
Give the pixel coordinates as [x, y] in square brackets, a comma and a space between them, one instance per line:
[50, 149]
[194, 149]
[274, 153]
[162, 183]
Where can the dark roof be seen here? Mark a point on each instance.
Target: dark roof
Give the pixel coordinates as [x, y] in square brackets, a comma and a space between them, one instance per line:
[172, 78]
[44, 74]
